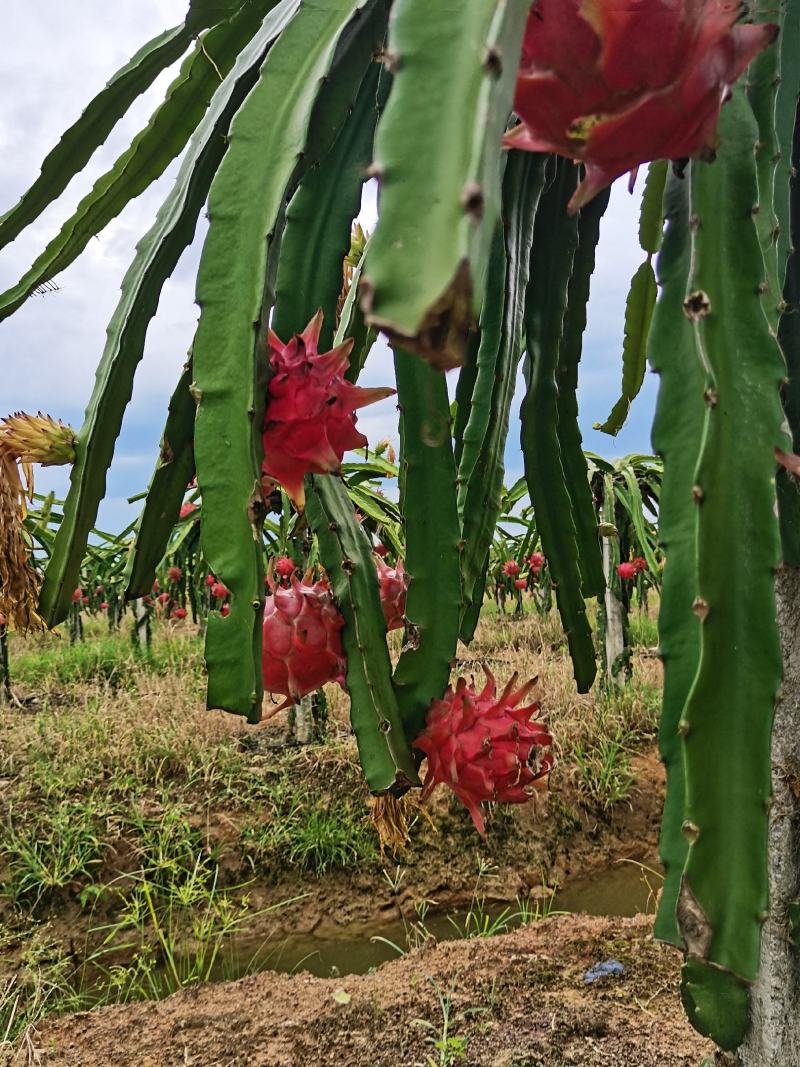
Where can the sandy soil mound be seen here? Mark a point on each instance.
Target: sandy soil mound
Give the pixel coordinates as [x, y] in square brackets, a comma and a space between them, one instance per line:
[517, 1000]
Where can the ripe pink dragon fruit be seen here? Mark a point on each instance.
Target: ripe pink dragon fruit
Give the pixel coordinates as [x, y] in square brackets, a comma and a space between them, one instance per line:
[174, 574]
[511, 568]
[302, 644]
[536, 561]
[225, 610]
[310, 418]
[77, 596]
[187, 509]
[393, 582]
[179, 613]
[614, 85]
[284, 567]
[484, 746]
[627, 571]
[640, 563]
[220, 590]
[520, 583]
[104, 606]
[163, 598]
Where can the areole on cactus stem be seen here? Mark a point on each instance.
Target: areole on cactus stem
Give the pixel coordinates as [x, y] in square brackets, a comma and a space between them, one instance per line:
[616, 85]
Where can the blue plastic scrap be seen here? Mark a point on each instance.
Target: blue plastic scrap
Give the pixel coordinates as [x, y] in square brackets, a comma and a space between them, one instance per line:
[605, 969]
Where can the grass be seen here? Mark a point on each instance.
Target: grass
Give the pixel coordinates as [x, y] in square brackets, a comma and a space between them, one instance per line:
[124, 800]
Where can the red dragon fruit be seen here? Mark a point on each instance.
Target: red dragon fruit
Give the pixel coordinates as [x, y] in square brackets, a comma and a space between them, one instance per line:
[393, 583]
[302, 645]
[536, 561]
[614, 85]
[485, 747]
[174, 574]
[179, 613]
[310, 419]
[187, 509]
[627, 571]
[520, 583]
[284, 567]
[219, 590]
[511, 568]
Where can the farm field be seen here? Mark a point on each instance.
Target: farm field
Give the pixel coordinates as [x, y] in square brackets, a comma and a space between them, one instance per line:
[153, 846]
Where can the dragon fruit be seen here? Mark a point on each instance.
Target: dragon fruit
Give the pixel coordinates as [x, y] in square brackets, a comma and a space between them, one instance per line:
[174, 574]
[485, 747]
[511, 568]
[627, 571]
[393, 582]
[310, 418]
[284, 567]
[302, 642]
[614, 85]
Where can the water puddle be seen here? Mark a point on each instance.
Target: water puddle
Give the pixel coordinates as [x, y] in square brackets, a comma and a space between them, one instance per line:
[624, 890]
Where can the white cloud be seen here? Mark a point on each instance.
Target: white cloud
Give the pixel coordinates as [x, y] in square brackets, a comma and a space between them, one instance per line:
[56, 57]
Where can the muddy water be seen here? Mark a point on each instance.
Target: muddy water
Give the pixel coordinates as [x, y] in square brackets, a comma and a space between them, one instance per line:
[624, 890]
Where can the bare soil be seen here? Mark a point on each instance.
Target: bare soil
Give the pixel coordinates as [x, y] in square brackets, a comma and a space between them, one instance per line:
[517, 1000]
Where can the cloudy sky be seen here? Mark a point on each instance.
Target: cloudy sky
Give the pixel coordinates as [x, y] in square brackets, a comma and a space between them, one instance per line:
[57, 55]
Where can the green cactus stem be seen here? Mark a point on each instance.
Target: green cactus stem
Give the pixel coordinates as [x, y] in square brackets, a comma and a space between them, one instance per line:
[726, 723]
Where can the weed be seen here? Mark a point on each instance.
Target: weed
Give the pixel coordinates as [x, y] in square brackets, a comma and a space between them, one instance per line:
[450, 1048]
[52, 850]
[605, 775]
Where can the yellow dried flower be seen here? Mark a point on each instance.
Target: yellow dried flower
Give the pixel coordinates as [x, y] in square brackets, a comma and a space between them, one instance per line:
[37, 439]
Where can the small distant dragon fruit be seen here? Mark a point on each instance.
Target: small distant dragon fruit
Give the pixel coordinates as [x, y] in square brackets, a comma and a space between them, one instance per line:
[511, 568]
[284, 567]
[393, 582]
[536, 561]
[219, 590]
[310, 417]
[302, 642]
[520, 583]
[613, 85]
[174, 574]
[627, 571]
[484, 746]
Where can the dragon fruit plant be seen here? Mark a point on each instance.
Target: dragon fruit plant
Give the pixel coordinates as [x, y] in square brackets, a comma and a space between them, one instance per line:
[480, 254]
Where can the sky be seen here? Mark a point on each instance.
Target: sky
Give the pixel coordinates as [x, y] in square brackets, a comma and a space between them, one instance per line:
[56, 56]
